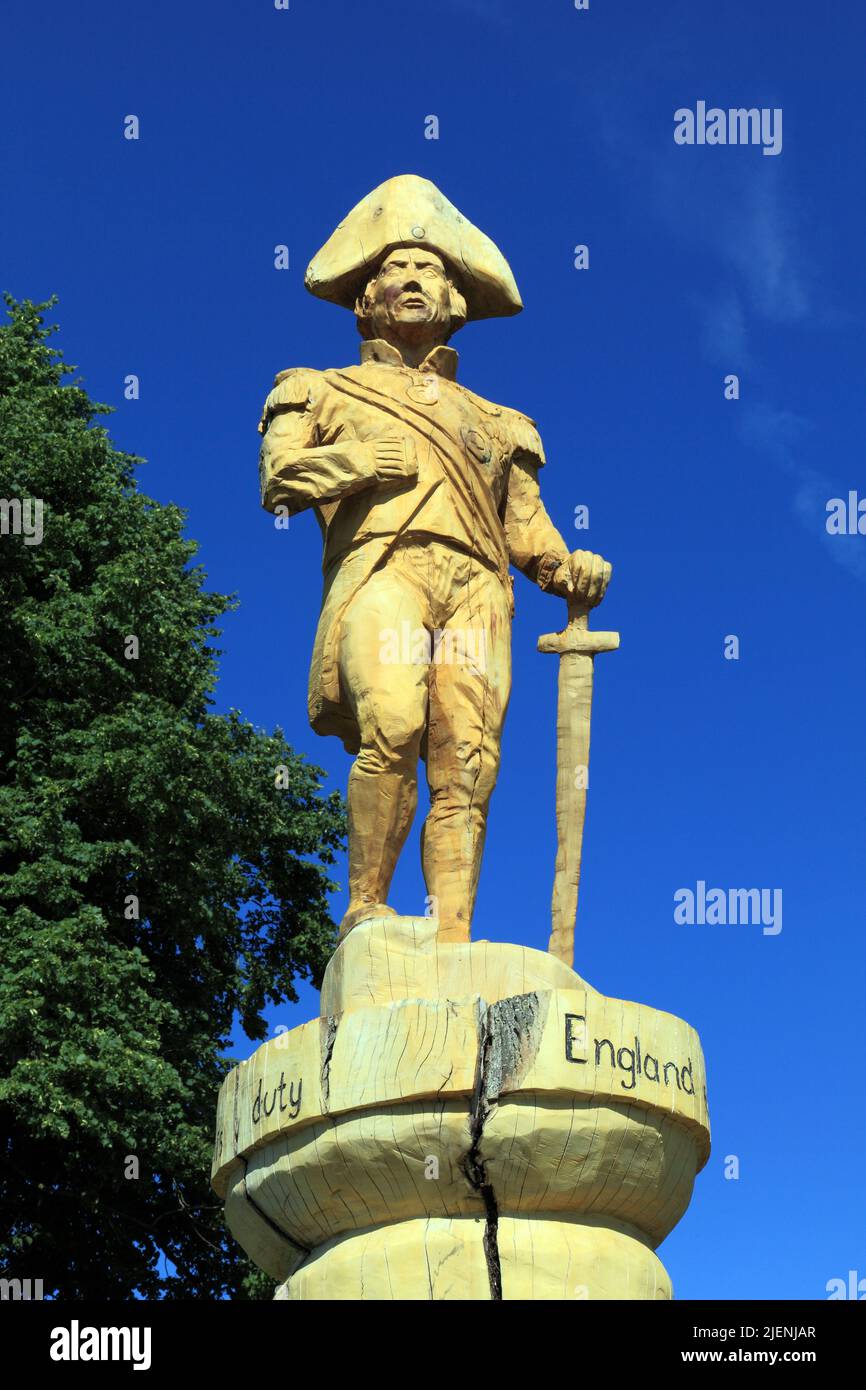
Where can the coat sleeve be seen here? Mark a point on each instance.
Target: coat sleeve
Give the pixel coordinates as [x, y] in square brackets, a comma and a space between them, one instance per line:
[534, 545]
[296, 469]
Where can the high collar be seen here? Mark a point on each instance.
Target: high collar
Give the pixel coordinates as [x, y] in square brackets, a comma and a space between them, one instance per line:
[442, 360]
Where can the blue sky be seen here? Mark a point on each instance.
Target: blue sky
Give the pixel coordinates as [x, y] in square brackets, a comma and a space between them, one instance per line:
[261, 127]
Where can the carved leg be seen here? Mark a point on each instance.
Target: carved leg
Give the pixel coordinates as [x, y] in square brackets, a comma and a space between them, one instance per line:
[381, 810]
[388, 692]
[469, 688]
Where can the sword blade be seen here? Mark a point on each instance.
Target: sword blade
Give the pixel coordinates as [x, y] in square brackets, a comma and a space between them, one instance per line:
[577, 647]
[573, 715]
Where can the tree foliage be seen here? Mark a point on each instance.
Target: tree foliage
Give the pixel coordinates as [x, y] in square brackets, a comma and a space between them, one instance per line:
[122, 792]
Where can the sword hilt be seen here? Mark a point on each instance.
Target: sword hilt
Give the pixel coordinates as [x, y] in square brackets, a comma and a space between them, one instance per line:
[577, 636]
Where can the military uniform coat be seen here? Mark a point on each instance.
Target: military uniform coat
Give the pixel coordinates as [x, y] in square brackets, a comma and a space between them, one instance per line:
[476, 487]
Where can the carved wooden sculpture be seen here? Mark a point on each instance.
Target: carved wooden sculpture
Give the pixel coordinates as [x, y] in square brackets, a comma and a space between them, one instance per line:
[465, 1119]
[426, 494]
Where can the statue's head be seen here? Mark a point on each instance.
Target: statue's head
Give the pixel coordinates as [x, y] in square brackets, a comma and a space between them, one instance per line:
[412, 267]
[411, 301]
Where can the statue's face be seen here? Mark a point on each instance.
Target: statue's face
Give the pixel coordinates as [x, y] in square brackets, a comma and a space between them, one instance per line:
[410, 298]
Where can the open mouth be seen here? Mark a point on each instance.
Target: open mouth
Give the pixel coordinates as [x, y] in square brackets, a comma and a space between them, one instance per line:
[413, 301]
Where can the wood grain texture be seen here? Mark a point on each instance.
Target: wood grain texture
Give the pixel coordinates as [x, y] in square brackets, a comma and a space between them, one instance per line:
[537, 1146]
[393, 958]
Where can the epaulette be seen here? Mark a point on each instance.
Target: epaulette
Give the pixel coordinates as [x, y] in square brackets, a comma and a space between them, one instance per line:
[293, 390]
[524, 433]
[488, 407]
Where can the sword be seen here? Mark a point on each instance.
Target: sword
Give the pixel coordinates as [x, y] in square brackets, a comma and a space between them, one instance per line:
[576, 647]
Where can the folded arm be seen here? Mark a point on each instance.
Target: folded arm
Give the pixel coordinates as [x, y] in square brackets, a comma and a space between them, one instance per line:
[298, 470]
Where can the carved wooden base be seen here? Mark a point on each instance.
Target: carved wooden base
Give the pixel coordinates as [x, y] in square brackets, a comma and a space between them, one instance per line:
[466, 1121]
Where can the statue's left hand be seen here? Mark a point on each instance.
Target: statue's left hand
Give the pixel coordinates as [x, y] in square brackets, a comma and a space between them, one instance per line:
[583, 577]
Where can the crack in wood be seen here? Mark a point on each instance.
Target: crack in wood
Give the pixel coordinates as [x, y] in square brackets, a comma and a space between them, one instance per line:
[473, 1165]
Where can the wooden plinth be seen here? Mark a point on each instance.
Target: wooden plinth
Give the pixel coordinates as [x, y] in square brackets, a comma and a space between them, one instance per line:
[466, 1121]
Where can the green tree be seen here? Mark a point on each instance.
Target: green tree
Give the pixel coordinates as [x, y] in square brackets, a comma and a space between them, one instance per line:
[155, 881]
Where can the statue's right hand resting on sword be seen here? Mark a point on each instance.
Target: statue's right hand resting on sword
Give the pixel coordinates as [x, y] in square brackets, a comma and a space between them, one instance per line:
[582, 578]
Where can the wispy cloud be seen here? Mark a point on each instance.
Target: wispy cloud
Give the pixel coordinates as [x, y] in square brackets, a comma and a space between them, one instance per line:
[783, 436]
[736, 207]
[739, 213]
[723, 329]
[761, 245]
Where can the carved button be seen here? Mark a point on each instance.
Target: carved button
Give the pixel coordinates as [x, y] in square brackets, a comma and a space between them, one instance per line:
[476, 445]
[424, 390]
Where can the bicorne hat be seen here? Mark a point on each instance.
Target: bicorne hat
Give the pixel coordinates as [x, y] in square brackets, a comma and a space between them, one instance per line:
[411, 211]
